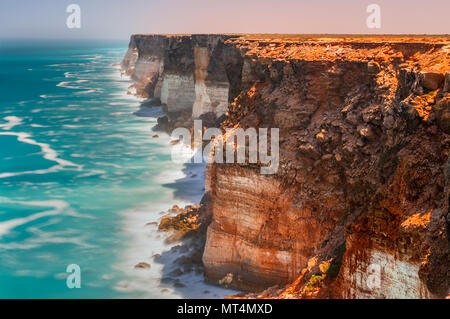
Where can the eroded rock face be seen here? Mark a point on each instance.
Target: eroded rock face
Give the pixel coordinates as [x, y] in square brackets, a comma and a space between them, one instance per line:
[364, 162]
[144, 62]
[187, 73]
[384, 257]
[211, 92]
[263, 238]
[178, 92]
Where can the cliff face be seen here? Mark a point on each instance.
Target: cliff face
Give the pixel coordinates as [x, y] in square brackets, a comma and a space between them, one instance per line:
[187, 73]
[359, 205]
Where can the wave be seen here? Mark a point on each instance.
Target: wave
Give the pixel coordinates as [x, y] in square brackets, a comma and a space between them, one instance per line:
[66, 84]
[46, 238]
[95, 57]
[66, 64]
[92, 172]
[72, 126]
[40, 237]
[49, 96]
[58, 207]
[109, 164]
[12, 121]
[89, 91]
[118, 103]
[146, 244]
[48, 153]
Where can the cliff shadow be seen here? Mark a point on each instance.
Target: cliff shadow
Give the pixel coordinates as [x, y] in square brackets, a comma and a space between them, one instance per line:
[183, 271]
[191, 187]
[148, 111]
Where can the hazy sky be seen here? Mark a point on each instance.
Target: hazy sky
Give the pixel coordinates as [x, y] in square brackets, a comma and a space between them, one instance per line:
[120, 18]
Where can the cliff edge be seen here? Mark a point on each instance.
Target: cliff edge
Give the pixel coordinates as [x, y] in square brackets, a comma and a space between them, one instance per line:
[359, 206]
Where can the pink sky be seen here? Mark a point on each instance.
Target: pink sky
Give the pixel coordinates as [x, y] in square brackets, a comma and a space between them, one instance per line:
[120, 18]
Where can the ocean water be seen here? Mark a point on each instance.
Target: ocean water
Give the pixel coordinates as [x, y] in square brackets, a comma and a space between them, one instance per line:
[81, 177]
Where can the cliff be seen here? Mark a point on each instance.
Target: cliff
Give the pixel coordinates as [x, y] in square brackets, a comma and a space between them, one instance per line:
[188, 74]
[359, 205]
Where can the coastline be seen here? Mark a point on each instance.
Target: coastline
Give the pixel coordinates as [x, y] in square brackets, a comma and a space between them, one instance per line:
[164, 277]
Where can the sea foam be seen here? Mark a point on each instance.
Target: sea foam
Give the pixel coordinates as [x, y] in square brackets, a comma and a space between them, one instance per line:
[12, 121]
[48, 153]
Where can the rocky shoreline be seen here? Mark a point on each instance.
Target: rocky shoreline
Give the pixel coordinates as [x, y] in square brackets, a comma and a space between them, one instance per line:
[186, 226]
[364, 159]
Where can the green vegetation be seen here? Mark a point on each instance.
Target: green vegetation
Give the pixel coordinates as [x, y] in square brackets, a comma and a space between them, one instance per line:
[316, 281]
[333, 270]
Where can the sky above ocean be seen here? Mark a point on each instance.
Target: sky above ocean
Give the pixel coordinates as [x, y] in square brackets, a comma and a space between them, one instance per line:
[118, 19]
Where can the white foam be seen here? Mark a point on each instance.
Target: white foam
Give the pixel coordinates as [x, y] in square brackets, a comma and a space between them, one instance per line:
[62, 84]
[66, 84]
[48, 153]
[169, 176]
[92, 172]
[72, 126]
[12, 121]
[40, 237]
[67, 64]
[118, 103]
[30, 273]
[144, 242]
[95, 57]
[46, 238]
[52, 169]
[58, 207]
[87, 91]
[47, 96]
[109, 164]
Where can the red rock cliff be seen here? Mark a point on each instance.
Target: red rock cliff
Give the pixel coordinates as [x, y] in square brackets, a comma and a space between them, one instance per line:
[359, 205]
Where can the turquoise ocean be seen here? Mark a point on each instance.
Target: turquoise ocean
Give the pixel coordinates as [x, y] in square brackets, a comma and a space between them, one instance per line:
[82, 180]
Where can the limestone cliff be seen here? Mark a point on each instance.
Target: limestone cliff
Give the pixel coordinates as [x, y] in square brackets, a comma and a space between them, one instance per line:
[363, 184]
[187, 73]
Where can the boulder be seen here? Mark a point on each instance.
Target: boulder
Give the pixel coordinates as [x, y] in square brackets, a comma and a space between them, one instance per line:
[163, 123]
[142, 265]
[431, 80]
